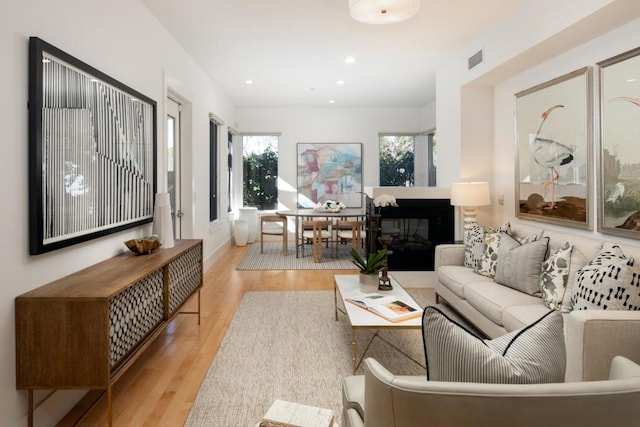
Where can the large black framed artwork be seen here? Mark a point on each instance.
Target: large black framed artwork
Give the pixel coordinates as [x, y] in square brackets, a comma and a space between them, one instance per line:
[92, 151]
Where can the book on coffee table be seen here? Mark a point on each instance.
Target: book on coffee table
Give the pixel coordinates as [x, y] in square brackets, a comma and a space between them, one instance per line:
[291, 414]
[389, 307]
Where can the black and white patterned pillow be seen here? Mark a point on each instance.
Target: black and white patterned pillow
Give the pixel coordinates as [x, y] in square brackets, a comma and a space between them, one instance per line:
[489, 259]
[610, 281]
[554, 277]
[473, 246]
[531, 355]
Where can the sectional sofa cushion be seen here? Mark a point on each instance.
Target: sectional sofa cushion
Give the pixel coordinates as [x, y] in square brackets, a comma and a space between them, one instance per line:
[554, 277]
[519, 316]
[491, 299]
[609, 282]
[519, 265]
[534, 354]
[455, 277]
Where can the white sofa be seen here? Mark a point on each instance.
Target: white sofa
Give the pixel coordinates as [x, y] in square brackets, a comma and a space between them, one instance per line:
[593, 337]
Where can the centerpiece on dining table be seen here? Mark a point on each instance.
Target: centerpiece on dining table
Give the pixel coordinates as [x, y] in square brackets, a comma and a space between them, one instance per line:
[329, 206]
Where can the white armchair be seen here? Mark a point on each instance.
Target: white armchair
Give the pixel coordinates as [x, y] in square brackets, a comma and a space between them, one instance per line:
[381, 399]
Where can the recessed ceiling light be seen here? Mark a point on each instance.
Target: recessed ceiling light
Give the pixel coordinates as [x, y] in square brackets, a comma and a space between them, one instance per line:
[349, 60]
[248, 82]
[332, 101]
[340, 82]
[631, 80]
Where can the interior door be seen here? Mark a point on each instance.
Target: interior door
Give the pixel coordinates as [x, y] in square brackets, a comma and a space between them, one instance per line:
[173, 163]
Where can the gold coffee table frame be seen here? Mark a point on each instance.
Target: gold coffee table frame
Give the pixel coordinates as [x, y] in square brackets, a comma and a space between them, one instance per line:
[359, 318]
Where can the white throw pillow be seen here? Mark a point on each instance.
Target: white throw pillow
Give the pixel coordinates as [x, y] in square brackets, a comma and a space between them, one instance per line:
[489, 259]
[610, 281]
[554, 277]
[474, 245]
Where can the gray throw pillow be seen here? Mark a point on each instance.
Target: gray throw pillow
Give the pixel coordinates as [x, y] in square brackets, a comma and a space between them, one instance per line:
[519, 266]
[531, 355]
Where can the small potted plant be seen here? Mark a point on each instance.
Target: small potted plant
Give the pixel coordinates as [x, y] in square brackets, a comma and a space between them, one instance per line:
[370, 268]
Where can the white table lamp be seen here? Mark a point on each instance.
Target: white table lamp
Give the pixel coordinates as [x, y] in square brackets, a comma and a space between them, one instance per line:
[470, 195]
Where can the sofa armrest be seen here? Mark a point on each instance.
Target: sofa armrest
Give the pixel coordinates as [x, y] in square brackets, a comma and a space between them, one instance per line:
[595, 337]
[449, 254]
[622, 368]
[352, 419]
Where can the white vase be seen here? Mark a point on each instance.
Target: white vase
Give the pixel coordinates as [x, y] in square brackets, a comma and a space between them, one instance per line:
[162, 224]
[240, 232]
[251, 216]
[368, 282]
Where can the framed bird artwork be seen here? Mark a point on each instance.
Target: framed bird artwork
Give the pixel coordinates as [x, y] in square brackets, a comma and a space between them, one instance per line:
[619, 150]
[553, 151]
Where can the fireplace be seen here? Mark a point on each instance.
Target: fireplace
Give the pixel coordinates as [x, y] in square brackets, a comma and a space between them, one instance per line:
[416, 227]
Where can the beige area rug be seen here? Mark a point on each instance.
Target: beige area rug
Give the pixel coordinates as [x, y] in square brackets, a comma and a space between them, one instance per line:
[272, 259]
[287, 345]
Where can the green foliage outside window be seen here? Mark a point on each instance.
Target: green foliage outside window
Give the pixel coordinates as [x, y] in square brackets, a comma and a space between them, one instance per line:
[397, 161]
[261, 179]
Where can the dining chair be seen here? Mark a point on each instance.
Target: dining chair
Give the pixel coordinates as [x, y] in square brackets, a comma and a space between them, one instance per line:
[349, 231]
[274, 225]
[316, 232]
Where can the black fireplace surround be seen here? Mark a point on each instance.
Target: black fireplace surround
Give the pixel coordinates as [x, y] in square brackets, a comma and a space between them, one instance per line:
[416, 227]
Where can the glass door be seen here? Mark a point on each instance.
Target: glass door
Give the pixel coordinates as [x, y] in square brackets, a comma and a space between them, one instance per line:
[173, 163]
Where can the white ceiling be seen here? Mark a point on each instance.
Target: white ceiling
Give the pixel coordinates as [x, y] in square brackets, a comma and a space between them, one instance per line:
[294, 50]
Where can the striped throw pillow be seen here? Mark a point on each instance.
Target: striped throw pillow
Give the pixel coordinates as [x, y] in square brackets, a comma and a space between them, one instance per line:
[531, 355]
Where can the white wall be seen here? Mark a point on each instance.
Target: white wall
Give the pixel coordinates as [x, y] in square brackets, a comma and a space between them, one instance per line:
[617, 41]
[122, 39]
[359, 125]
[467, 100]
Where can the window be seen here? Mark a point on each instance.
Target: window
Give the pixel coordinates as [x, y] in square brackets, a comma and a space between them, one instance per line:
[432, 159]
[260, 171]
[213, 171]
[397, 160]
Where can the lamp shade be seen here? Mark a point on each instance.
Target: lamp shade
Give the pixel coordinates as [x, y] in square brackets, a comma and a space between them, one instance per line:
[470, 194]
[383, 11]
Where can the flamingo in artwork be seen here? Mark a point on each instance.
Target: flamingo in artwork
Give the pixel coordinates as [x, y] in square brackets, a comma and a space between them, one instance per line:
[635, 101]
[550, 154]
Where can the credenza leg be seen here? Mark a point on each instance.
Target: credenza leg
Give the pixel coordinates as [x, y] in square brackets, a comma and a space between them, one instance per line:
[30, 416]
[198, 306]
[109, 406]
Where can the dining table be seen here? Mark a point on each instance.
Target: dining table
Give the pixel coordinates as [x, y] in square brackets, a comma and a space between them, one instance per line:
[299, 213]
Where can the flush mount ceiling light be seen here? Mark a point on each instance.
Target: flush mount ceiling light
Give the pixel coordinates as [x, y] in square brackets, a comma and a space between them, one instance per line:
[383, 11]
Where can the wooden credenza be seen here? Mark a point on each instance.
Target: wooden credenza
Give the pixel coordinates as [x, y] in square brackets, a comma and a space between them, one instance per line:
[83, 331]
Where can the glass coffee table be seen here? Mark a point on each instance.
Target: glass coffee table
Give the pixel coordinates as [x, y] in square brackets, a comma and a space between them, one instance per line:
[360, 318]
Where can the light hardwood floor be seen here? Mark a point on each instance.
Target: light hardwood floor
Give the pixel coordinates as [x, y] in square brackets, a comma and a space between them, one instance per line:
[161, 386]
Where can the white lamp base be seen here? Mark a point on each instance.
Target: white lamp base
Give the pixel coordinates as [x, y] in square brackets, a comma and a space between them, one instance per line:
[469, 214]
